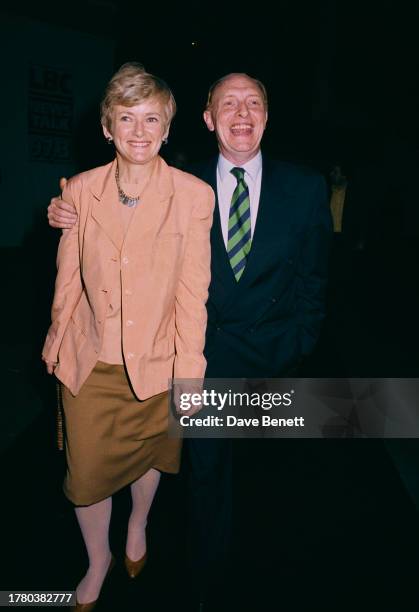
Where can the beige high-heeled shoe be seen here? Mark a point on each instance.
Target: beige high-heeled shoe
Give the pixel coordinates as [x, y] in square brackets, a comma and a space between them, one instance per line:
[88, 607]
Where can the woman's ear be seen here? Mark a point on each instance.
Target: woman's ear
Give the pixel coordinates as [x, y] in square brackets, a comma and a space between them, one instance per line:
[166, 132]
[106, 133]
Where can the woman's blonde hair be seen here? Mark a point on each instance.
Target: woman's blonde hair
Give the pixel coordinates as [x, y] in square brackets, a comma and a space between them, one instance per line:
[131, 85]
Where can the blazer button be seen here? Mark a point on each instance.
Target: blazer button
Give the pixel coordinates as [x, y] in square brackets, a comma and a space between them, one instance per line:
[273, 300]
[130, 355]
[125, 260]
[129, 323]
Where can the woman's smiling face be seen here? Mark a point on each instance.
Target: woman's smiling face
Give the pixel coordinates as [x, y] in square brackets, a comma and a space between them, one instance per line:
[138, 131]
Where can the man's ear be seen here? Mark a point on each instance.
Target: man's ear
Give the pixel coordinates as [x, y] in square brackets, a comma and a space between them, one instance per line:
[208, 120]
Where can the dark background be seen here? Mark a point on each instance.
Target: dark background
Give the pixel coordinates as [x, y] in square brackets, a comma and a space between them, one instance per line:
[342, 77]
[343, 85]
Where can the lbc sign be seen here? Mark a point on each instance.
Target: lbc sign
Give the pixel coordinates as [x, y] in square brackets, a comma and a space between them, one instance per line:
[50, 114]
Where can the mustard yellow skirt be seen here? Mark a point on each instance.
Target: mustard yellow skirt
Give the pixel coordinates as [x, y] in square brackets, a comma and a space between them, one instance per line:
[112, 438]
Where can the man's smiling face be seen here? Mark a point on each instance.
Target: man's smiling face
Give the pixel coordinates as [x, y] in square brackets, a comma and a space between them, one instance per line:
[238, 115]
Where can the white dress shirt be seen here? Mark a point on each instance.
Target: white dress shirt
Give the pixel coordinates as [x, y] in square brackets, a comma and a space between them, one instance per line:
[226, 184]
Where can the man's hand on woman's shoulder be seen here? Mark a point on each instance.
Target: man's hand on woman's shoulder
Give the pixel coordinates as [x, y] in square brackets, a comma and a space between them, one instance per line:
[61, 214]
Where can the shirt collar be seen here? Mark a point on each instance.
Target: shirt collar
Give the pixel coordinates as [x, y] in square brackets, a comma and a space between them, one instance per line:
[251, 167]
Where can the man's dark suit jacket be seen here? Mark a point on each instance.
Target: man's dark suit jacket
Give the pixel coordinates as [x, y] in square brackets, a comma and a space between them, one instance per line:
[264, 325]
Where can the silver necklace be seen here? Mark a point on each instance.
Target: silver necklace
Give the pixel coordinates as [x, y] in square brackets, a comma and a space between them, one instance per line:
[123, 197]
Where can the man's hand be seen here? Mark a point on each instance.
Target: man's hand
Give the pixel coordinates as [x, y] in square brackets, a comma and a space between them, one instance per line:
[60, 213]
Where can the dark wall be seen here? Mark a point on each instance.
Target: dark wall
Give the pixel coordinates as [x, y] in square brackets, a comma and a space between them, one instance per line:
[343, 87]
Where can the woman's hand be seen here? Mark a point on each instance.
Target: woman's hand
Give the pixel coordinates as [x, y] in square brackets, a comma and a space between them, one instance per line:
[50, 365]
[187, 398]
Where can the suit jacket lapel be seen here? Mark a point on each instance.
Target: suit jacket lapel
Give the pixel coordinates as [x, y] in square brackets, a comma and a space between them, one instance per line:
[273, 201]
[220, 262]
[104, 209]
[148, 215]
[151, 212]
[272, 204]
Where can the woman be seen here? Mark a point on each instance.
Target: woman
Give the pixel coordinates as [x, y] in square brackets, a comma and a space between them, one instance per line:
[128, 315]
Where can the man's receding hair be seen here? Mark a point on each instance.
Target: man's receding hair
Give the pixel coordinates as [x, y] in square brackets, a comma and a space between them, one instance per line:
[220, 81]
[131, 85]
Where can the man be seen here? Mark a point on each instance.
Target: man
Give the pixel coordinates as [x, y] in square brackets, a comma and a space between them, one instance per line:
[269, 248]
[263, 325]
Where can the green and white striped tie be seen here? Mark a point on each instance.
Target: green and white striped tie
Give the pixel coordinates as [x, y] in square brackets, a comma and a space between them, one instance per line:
[239, 230]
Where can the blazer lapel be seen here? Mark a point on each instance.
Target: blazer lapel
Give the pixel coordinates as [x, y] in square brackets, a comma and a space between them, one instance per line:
[272, 225]
[270, 221]
[220, 263]
[104, 209]
[153, 208]
[269, 205]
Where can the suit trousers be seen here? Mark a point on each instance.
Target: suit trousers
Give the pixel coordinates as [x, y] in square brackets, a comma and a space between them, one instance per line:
[210, 510]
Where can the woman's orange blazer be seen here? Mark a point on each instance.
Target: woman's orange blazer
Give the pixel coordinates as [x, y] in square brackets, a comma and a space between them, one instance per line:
[163, 265]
